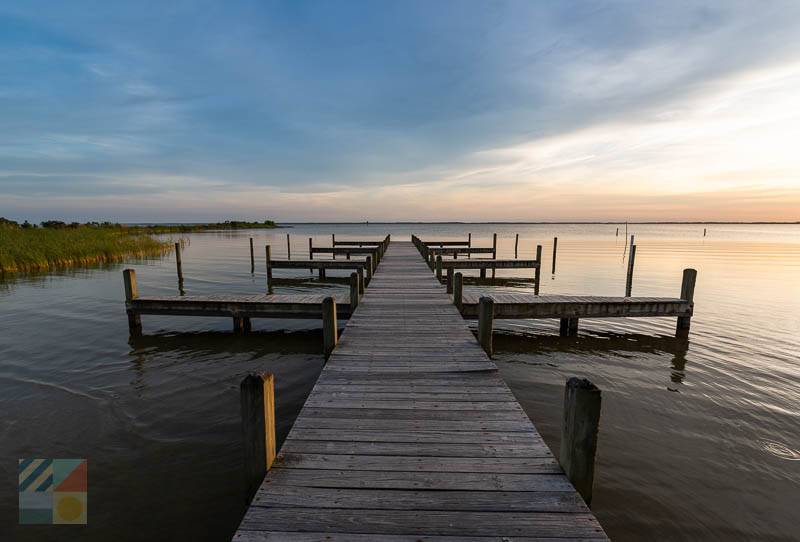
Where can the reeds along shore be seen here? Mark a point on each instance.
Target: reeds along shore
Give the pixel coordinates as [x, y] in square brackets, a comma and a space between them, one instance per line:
[28, 249]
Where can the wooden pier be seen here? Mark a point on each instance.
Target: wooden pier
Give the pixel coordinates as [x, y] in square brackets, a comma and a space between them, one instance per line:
[410, 434]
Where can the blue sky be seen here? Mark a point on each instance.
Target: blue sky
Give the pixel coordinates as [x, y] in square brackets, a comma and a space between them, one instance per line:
[467, 110]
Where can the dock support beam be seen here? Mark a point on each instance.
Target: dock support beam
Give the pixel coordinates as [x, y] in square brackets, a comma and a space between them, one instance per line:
[458, 285]
[329, 326]
[268, 254]
[579, 426]
[131, 293]
[538, 272]
[485, 323]
[569, 326]
[354, 297]
[439, 269]
[450, 272]
[687, 294]
[258, 429]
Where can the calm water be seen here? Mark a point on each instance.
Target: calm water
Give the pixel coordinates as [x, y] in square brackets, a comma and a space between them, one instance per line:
[699, 438]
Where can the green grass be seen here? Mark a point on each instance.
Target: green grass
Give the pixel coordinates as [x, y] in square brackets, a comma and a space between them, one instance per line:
[28, 249]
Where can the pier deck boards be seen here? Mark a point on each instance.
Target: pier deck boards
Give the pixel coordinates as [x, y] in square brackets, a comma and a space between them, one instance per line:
[570, 306]
[410, 434]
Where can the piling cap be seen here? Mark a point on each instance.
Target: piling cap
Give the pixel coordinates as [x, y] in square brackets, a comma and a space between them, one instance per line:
[581, 384]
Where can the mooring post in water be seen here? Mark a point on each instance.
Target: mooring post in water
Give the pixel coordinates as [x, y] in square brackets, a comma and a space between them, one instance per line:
[310, 248]
[704, 231]
[555, 249]
[617, 231]
[329, 330]
[458, 288]
[687, 294]
[629, 281]
[450, 272]
[537, 272]
[257, 394]
[439, 269]
[353, 291]
[360, 272]
[469, 245]
[569, 326]
[131, 293]
[333, 244]
[252, 258]
[579, 425]
[494, 251]
[178, 262]
[369, 271]
[485, 323]
[288, 248]
[516, 244]
[268, 254]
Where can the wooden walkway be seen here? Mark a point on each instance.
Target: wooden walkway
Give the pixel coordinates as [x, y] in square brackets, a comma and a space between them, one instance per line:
[410, 435]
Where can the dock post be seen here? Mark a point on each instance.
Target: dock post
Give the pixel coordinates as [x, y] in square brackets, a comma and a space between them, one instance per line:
[268, 251]
[629, 280]
[131, 293]
[555, 248]
[687, 294]
[458, 286]
[439, 269]
[246, 324]
[579, 425]
[617, 231]
[252, 258]
[329, 326]
[369, 271]
[469, 246]
[360, 272]
[569, 326]
[485, 322]
[238, 324]
[494, 251]
[310, 248]
[537, 276]
[353, 291]
[257, 392]
[178, 261]
[516, 244]
[288, 248]
[333, 244]
[450, 272]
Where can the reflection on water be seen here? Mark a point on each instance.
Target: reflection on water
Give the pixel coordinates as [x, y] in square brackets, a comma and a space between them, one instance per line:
[698, 434]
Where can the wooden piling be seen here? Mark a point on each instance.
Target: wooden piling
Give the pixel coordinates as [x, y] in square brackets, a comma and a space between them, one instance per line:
[131, 293]
[178, 261]
[360, 273]
[629, 280]
[252, 258]
[439, 268]
[354, 297]
[617, 231]
[310, 248]
[247, 325]
[238, 324]
[257, 394]
[494, 250]
[537, 277]
[268, 253]
[579, 426]
[288, 248]
[469, 244]
[687, 294]
[555, 249]
[450, 274]
[369, 271]
[458, 288]
[485, 322]
[329, 326]
[516, 244]
[569, 326]
[333, 244]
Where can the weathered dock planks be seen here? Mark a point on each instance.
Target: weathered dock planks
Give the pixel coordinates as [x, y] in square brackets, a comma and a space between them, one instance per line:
[410, 434]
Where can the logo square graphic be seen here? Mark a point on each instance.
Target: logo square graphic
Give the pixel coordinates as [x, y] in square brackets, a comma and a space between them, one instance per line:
[53, 491]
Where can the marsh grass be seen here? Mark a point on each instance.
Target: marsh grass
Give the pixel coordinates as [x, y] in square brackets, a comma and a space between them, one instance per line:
[29, 249]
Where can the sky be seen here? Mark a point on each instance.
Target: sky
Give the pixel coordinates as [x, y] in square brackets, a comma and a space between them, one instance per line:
[400, 110]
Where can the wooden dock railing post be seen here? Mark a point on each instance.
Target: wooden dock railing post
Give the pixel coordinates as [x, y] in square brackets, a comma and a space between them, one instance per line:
[458, 285]
[131, 293]
[329, 326]
[516, 244]
[629, 280]
[178, 261]
[485, 323]
[450, 272]
[310, 248]
[555, 248]
[252, 258]
[369, 270]
[257, 393]
[288, 247]
[687, 294]
[580, 422]
[569, 326]
[353, 291]
[360, 272]
[439, 269]
[537, 276]
[333, 244]
[469, 245]
[268, 251]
